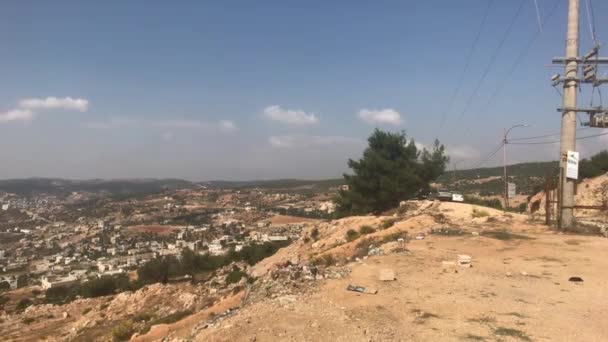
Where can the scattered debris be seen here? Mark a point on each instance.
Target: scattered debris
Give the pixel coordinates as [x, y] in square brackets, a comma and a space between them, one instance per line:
[524, 273]
[576, 279]
[372, 250]
[387, 274]
[464, 260]
[362, 289]
[420, 237]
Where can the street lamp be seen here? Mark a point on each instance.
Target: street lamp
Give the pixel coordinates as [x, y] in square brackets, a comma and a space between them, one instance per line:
[454, 167]
[504, 158]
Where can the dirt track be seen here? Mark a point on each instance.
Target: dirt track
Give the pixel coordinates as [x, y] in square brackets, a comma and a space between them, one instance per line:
[430, 302]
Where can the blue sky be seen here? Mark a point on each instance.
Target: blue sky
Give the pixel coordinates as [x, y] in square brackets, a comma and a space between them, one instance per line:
[267, 89]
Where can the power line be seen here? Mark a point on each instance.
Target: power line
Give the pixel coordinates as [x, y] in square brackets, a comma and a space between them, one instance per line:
[492, 59]
[467, 64]
[516, 63]
[591, 22]
[489, 156]
[545, 136]
[557, 142]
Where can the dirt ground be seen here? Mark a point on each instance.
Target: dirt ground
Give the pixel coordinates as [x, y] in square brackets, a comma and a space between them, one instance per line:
[517, 290]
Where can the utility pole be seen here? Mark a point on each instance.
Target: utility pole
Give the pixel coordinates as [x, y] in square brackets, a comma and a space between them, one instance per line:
[504, 164]
[568, 131]
[505, 141]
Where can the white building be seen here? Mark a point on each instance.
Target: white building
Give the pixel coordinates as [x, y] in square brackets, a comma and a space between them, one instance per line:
[49, 282]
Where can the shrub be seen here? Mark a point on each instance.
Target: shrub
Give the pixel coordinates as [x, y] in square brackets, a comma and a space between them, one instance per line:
[394, 237]
[388, 223]
[235, 275]
[504, 235]
[351, 235]
[28, 320]
[492, 203]
[326, 260]
[23, 303]
[362, 248]
[143, 317]
[479, 213]
[364, 230]
[123, 331]
[315, 233]
[522, 207]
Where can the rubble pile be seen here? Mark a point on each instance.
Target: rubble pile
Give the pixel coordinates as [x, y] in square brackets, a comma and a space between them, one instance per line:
[290, 278]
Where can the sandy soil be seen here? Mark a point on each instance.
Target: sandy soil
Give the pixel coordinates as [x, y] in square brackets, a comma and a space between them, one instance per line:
[516, 290]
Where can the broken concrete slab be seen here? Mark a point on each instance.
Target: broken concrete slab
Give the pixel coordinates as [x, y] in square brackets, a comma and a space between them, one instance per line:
[361, 289]
[464, 260]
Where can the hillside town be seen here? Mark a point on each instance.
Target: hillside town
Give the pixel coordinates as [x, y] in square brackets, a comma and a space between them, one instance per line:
[52, 241]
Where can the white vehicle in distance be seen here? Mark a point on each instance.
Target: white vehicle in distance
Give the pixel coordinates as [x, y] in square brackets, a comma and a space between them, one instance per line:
[457, 197]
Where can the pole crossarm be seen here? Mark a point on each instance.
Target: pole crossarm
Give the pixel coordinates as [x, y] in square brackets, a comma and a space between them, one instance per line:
[580, 61]
[584, 110]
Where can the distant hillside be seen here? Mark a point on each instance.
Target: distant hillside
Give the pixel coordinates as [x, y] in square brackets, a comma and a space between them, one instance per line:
[62, 187]
[488, 181]
[33, 186]
[276, 184]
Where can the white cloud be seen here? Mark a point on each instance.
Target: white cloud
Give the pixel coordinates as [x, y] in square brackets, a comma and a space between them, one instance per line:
[290, 117]
[52, 102]
[306, 141]
[27, 107]
[16, 115]
[227, 126]
[112, 123]
[462, 152]
[385, 116]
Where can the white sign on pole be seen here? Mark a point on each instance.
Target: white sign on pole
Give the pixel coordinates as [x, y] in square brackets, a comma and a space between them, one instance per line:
[572, 165]
[511, 190]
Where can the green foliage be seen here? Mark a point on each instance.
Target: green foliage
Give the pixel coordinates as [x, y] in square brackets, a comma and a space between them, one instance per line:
[104, 286]
[388, 223]
[365, 229]
[595, 166]
[492, 203]
[392, 169]
[143, 317]
[522, 207]
[394, 237]
[5, 286]
[28, 320]
[315, 233]
[123, 331]
[235, 275]
[23, 303]
[351, 235]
